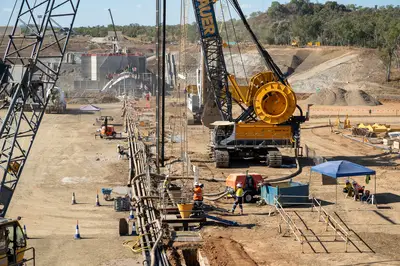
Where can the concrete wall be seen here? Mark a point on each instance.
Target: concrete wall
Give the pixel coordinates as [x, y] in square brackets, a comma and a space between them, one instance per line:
[105, 64]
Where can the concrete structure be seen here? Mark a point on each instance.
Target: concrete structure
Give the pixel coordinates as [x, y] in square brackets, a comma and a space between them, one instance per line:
[98, 69]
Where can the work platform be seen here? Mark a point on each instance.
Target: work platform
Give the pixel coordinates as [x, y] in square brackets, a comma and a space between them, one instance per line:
[175, 220]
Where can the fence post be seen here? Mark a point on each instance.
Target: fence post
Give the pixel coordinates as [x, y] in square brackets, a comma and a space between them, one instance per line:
[302, 243]
[280, 224]
[335, 230]
[312, 204]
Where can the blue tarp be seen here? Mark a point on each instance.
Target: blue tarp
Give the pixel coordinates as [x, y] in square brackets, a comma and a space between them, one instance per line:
[338, 169]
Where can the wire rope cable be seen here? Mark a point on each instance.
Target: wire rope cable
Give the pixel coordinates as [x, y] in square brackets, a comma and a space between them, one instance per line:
[227, 37]
[8, 23]
[237, 43]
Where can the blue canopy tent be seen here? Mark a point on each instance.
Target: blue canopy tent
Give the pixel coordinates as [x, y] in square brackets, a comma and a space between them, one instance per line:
[338, 169]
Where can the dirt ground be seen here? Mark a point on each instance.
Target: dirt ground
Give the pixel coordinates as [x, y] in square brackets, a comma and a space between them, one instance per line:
[67, 158]
[257, 240]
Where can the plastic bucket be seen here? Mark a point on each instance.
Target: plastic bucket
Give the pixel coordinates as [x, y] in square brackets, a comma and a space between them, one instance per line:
[185, 209]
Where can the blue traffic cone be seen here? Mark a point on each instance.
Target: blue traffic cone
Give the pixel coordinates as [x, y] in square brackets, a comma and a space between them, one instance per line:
[134, 229]
[73, 198]
[77, 234]
[131, 216]
[97, 200]
[25, 234]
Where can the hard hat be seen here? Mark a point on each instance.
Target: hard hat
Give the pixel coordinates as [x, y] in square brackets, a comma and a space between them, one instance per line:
[239, 185]
[347, 181]
[196, 184]
[118, 145]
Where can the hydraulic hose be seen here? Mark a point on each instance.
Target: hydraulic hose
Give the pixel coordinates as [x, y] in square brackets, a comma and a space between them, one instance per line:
[217, 198]
[298, 171]
[215, 194]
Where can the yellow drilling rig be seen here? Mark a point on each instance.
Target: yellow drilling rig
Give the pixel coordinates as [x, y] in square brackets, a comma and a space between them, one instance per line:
[268, 103]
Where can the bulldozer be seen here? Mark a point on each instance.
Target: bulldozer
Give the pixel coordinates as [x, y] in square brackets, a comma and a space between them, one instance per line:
[295, 43]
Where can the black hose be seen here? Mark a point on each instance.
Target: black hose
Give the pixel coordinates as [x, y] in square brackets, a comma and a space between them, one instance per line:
[298, 171]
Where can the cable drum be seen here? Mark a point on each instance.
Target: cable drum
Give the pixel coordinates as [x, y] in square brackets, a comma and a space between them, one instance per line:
[274, 103]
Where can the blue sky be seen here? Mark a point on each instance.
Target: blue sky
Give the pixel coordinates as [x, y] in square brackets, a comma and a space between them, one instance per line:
[94, 12]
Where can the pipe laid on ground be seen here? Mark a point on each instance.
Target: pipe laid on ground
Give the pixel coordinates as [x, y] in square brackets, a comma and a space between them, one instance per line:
[298, 171]
[217, 198]
[153, 250]
[200, 178]
[224, 221]
[214, 194]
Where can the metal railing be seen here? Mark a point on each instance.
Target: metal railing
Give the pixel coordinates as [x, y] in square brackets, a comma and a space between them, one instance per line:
[31, 259]
[324, 216]
[291, 224]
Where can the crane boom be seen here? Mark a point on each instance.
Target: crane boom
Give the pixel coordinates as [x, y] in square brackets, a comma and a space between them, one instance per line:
[264, 54]
[29, 78]
[214, 57]
[116, 45]
[112, 21]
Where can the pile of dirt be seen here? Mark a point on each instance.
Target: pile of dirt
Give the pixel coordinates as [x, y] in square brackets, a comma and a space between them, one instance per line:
[106, 99]
[92, 98]
[341, 97]
[225, 251]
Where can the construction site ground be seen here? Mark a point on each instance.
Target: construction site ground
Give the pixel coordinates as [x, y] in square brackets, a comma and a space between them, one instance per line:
[67, 158]
[257, 240]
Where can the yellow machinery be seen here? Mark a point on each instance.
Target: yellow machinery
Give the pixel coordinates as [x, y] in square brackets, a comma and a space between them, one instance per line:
[268, 103]
[343, 125]
[273, 102]
[379, 128]
[13, 244]
[295, 43]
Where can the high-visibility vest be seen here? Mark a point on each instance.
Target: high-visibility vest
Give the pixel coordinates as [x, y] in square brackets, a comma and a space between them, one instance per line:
[198, 193]
[166, 183]
[239, 192]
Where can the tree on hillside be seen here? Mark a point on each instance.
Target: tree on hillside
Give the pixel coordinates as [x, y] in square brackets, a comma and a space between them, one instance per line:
[330, 23]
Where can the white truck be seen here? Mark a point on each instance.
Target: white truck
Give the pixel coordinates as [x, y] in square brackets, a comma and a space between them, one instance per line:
[57, 103]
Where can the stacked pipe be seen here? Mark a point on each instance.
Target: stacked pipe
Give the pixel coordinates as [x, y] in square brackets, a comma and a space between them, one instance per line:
[141, 172]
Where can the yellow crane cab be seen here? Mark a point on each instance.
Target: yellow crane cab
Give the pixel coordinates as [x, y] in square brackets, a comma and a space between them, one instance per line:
[13, 244]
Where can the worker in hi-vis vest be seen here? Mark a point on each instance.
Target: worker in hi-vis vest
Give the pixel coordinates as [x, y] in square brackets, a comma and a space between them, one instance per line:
[197, 192]
[238, 198]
